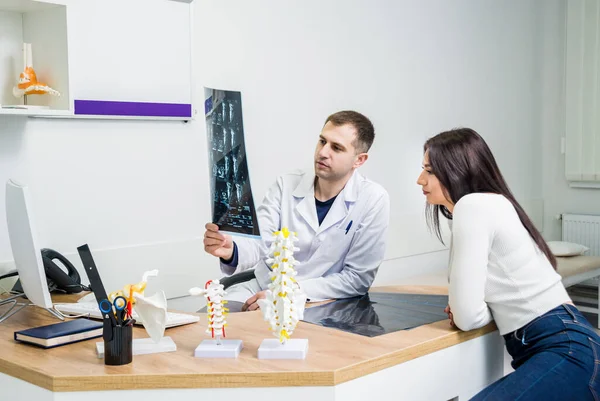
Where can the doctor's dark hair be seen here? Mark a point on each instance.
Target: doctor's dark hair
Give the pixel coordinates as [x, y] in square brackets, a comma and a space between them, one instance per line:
[464, 164]
[365, 133]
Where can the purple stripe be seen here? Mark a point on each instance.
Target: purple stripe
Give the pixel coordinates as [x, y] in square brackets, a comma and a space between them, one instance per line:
[107, 108]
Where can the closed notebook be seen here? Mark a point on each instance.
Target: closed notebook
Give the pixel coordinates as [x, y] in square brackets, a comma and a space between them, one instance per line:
[61, 333]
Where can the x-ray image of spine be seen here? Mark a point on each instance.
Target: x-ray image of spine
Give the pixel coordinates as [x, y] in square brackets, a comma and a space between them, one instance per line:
[233, 207]
[236, 164]
[230, 193]
[227, 168]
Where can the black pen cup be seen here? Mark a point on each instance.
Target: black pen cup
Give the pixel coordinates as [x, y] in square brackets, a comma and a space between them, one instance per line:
[119, 350]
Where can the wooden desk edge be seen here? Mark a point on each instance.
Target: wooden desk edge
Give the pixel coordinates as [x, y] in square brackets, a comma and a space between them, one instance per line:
[237, 380]
[397, 357]
[27, 374]
[178, 381]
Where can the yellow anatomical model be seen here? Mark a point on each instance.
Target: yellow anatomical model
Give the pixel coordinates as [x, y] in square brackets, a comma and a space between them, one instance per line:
[129, 291]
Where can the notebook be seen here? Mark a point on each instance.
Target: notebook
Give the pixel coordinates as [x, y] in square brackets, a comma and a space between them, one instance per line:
[62, 333]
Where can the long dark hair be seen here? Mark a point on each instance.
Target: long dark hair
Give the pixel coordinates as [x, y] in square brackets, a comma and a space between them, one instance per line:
[464, 164]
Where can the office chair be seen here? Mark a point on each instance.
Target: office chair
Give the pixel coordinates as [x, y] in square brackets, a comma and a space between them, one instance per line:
[227, 282]
[237, 278]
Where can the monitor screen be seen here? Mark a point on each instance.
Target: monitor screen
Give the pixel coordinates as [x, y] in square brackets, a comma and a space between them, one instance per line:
[24, 244]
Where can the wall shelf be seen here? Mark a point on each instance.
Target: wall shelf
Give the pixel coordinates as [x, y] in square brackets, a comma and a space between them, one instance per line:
[36, 112]
[44, 25]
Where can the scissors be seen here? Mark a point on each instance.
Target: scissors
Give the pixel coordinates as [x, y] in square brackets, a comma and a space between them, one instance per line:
[119, 303]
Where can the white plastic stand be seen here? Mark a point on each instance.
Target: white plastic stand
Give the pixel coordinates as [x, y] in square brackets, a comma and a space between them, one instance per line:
[143, 346]
[211, 349]
[271, 348]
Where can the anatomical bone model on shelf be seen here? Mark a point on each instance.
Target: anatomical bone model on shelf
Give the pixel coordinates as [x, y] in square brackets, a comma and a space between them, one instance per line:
[28, 83]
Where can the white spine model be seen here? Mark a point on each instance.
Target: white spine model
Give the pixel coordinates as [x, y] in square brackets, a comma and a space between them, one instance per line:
[283, 306]
[214, 293]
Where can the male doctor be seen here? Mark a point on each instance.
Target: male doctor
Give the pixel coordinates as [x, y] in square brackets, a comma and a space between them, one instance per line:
[340, 216]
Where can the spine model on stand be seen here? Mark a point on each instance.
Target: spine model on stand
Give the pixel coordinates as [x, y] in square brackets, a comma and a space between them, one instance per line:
[283, 306]
[218, 347]
[217, 312]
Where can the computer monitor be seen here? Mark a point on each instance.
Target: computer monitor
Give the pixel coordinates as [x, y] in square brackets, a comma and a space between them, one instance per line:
[24, 243]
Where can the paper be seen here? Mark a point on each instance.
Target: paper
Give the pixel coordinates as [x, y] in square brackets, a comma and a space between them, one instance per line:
[233, 207]
[153, 311]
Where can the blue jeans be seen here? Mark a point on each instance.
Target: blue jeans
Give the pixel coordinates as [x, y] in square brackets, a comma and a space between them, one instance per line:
[555, 357]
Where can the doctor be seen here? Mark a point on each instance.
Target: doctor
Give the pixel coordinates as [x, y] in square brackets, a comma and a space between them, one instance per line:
[340, 216]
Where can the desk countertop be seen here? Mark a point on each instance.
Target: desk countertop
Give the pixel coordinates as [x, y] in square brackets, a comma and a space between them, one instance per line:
[333, 357]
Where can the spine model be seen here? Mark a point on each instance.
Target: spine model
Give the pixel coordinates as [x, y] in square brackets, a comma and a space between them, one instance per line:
[214, 293]
[283, 307]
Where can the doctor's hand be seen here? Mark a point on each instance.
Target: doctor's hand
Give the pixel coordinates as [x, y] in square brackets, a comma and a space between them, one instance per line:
[252, 302]
[449, 312]
[217, 244]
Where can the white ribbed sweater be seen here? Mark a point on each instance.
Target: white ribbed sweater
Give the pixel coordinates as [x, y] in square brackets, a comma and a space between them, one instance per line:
[496, 266]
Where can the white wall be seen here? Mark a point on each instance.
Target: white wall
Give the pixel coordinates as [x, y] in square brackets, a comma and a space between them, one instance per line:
[415, 68]
[137, 192]
[558, 196]
[134, 191]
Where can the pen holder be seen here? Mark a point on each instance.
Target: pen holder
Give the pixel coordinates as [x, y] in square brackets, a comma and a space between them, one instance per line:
[119, 350]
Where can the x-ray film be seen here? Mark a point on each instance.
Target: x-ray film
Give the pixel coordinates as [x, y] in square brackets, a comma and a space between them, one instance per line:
[232, 202]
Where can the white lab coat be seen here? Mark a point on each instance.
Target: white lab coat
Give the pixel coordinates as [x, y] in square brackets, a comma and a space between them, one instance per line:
[337, 259]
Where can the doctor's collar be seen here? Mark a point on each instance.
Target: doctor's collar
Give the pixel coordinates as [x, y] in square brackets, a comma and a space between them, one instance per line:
[306, 187]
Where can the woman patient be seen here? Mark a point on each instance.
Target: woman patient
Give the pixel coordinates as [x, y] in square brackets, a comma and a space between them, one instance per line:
[501, 268]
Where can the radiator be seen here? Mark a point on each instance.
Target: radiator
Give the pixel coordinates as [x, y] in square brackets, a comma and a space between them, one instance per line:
[582, 229]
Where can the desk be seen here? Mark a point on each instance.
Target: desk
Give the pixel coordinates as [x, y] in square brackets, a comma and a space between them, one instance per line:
[431, 362]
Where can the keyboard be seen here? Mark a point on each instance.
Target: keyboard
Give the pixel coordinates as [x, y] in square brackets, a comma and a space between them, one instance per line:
[91, 308]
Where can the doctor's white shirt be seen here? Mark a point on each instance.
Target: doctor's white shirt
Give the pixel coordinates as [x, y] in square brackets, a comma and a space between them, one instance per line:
[338, 258]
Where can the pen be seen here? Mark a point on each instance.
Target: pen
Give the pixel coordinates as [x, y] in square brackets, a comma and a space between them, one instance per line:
[349, 225]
